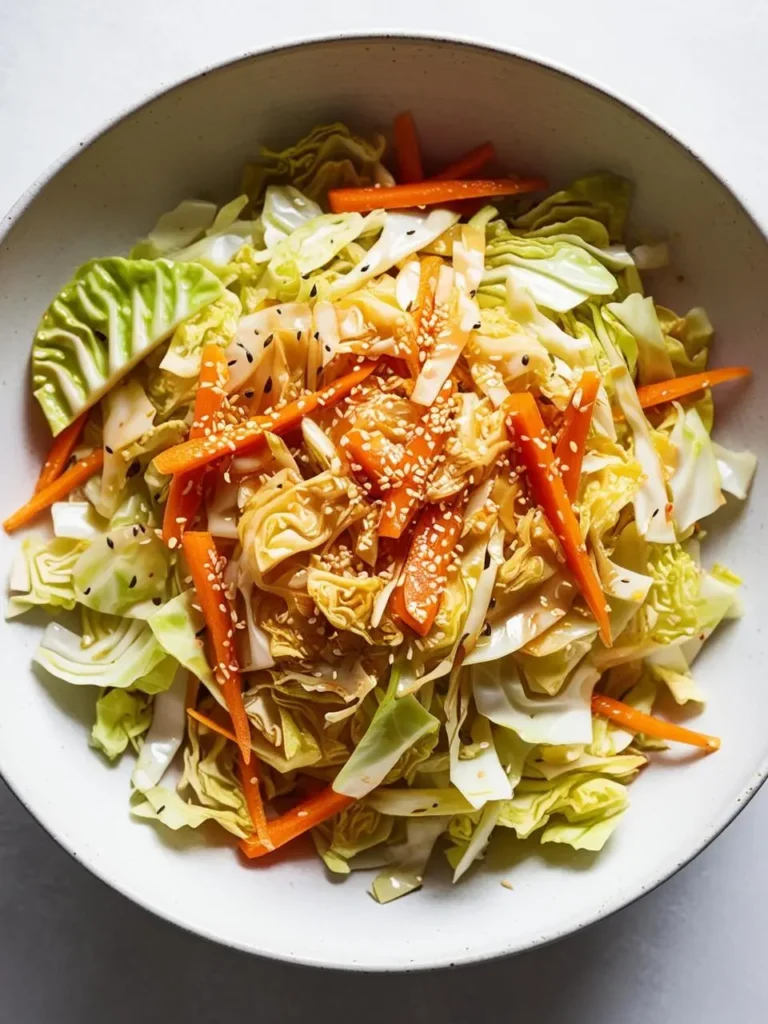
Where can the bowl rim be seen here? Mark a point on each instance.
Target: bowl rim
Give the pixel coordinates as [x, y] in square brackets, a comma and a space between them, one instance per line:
[468, 42]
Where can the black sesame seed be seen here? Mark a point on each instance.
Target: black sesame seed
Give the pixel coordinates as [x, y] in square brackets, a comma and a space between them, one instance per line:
[298, 335]
[133, 583]
[231, 362]
[268, 341]
[279, 312]
[365, 268]
[108, 450]
[248, 393]
[87, 590]
[487, 561]
[655, 513]
[100, 335]
[158, 496]
[313, 291]
[316, 335]
[161, 809]
[525, 360]
[157, 600]
[249, 356]
[473, 293]
[268, 386]
[477, 326]
[134, 468]
[110, 542]
[327, 348]
[411, 232]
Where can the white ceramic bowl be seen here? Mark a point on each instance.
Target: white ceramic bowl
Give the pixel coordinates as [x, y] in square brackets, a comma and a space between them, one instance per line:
[192, 141]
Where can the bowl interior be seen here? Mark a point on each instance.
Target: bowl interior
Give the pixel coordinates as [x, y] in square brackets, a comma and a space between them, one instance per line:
[192, 141]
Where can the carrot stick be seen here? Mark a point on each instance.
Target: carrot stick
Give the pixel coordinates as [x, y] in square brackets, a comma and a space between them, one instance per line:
[578, 417]
[60, 488]
[209, 723]
[421, 455]
[407, 149]
[309, 813]
[468, 164]
[426, 193]
[548, 490]
[203, 561]
[186, 490]
[374, 453]
[60, 452]
[679, 387]
[637, 721]
[249, 776]
[200, 451]
[416, 598]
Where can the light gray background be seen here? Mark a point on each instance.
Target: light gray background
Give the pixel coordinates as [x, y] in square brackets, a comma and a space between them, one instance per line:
[74, 952]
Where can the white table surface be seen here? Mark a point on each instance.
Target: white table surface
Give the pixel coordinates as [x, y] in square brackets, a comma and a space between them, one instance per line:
[74, 952]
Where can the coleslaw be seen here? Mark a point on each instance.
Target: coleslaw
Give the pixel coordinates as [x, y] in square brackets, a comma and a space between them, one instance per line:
[376, 504]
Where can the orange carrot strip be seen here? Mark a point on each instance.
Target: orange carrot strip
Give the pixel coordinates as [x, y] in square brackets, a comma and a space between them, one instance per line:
[426, 193]
[203, 561]
[578, 417]
[200, 451]
[424, 306]
[468, 164]
[310, 812]
[186, 490]
[60, 452]
[549, 493]
[421, 454]
[417, 596]
[407, 149]
[374, 453]
[209, 723]
[422, 334]
[60, 488]
[637, 721]
[250, 779]
[679, 387]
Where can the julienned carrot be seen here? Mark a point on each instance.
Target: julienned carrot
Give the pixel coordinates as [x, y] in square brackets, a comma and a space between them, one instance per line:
[416, 598]
[426, 193]
[409, 165]
[249, 776]
[377, 456]
[637, 721]
[469, 163]
[60, 452]
[578, 417]
[251, 781]
[679, 387]
[60, 488]
[307, 815]
[420, 458]
[200, 451]
[209, 723]
[548, 491]
[185, 492]
[203, 562]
